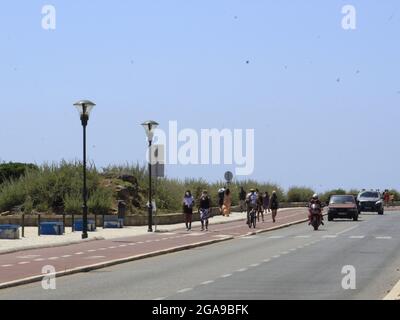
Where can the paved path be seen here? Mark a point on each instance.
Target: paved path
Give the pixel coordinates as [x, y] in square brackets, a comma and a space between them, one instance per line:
[29, 263]
[291, 263]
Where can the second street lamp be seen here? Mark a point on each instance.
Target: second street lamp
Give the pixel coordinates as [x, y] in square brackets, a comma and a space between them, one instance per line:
[84, 107]
[149, 127]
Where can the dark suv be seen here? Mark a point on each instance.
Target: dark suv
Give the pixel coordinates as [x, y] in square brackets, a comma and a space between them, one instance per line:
[370, 201]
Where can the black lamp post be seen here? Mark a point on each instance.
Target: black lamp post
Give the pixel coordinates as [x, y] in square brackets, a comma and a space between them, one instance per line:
[149, 127]
[84, 107]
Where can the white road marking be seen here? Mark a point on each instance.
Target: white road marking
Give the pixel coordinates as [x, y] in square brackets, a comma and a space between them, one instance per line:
[141, 242]
[303, 237]
[330, 236]
[112, 247]
[346, 230]
[53, 258]
[207, 282]
[158, 299]
[102, 249]
[185, 290]
[383, 238]
[276, 237]
[38, 260]
[357, 237]
[6, 265]
[66, 256]
[92, 250]
[277, 256]
[227, 275]
[254, 265]
[242, 270]
[23, 262]
[79, 253]
[285, 252]
[266, 260]
[122, 245]
[29, 256]
[294, 249]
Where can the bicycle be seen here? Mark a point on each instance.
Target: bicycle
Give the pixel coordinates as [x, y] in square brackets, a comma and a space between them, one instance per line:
[253, 218]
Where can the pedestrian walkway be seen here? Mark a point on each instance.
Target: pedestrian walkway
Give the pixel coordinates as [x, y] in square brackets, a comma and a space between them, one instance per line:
[26, 266]
[33, 241]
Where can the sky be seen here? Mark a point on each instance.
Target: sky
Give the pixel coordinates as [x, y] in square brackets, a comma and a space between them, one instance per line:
[323, 101]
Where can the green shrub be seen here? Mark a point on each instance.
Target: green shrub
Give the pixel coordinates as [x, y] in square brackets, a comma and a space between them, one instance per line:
[12, 171]
[73, 204]
[299, 194]
[100, 201]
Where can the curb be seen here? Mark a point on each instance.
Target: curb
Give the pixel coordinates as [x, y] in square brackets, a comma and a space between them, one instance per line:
[55, 245]
[112, 262]
[394, 294]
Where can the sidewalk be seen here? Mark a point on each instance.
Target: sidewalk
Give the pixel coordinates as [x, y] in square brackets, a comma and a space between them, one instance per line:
[33, 241]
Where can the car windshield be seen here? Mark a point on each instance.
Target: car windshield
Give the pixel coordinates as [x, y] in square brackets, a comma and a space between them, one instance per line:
[342, 200]
[369, 195]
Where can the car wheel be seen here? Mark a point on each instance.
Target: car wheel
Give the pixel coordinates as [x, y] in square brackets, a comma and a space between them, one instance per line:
[380, 212]
[330, 218]
[355, 218]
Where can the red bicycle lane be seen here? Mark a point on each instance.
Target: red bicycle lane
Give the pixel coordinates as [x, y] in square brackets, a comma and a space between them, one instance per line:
[27, 266]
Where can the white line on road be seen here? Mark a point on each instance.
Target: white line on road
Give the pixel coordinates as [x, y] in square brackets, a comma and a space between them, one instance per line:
[383, 238]
[242, 270]
[303, 237]
[6, 265]
[66, 256]
[53, 258]
[346, 230]
[39, 260]
[266, 260]
[92, 250]
[158, 299]
[207, 282]
[255, 265]
[330, 236]
[276, 237]
[226, 275]
[357, 237]
[285, 252]
[23, 262]
[79, 253]
[277, 256]
[122, 246]
[185, 290]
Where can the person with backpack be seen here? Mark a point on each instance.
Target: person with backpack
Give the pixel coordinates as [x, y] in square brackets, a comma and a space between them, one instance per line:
[188, 203]
[251, 201]
[204, 210]
[274, 205]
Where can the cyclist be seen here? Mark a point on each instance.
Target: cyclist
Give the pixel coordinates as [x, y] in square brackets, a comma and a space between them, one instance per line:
[251, 201]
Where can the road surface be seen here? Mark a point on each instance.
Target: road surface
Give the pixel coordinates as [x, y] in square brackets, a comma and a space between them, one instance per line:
[291, 263]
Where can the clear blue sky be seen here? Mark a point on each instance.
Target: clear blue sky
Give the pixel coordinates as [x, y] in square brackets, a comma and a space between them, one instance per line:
[186, 61]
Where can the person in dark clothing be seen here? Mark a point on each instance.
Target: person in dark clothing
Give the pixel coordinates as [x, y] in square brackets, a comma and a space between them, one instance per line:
[221, 197]
[204, 210]
[242, 199]
[274, 205]
[315, 200]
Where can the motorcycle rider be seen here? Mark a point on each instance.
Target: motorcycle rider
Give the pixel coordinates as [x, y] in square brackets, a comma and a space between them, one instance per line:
[315, 200]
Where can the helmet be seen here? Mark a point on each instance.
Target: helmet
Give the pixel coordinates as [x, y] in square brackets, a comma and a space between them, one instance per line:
[315, 196]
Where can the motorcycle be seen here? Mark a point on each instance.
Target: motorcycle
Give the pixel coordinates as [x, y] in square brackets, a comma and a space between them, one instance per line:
[316, 217]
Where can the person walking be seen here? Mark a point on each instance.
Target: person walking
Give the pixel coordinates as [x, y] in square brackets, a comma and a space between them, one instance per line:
[266, 202]
[188, 203]
[226, 208]
[260, 209]
[204, 210]
[221, 196]
[242, 199]
[274, 205]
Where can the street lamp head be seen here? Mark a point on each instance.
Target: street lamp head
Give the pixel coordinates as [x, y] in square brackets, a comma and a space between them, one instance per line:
[84, 108]
[149, 127]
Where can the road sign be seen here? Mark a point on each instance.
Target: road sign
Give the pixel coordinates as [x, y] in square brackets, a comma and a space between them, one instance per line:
[228, 176]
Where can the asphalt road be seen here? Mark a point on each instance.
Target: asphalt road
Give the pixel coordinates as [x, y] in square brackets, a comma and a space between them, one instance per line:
[291, 263]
